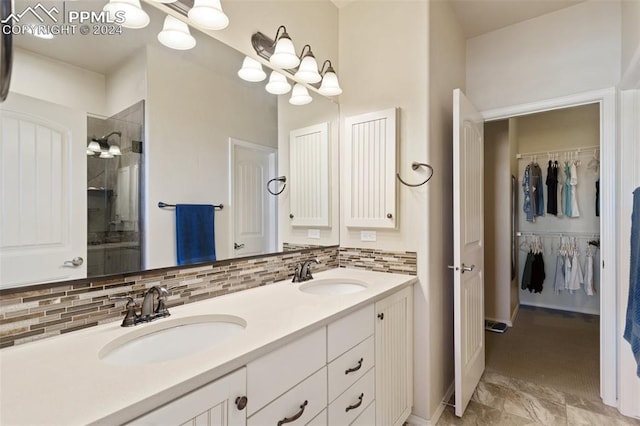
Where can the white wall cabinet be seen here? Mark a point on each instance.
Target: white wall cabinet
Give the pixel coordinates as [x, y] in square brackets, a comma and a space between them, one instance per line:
[211, 405]
[394, 358]
[370, 170]
[309, 176]
[356, 369]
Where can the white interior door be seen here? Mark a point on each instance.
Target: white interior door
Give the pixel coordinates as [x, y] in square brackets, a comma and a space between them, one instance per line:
[254, 210]
[43, 188]
[468, 230]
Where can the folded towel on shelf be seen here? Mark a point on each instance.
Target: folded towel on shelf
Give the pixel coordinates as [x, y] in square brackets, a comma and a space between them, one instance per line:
[632, 325]
[195, 236]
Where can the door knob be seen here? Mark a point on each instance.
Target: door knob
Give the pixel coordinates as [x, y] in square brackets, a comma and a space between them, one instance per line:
[75, 262]
[465, 268]
[238, 246]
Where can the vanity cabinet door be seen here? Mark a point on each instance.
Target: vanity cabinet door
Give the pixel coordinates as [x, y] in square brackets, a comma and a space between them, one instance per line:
[215, 404]
[394, 358]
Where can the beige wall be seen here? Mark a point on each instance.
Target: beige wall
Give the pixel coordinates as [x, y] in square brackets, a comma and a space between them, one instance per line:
[573, 50]
[497, 215]
[630, 58]
[58, 82]
[446, 72]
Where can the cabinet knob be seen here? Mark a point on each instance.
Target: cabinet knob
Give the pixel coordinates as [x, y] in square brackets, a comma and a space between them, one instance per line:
[381, 315]
[241, 402]
[389, 215]
[290, 215]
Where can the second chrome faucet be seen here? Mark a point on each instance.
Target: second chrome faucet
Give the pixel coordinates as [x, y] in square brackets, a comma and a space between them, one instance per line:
[303, 271]
[148, 311]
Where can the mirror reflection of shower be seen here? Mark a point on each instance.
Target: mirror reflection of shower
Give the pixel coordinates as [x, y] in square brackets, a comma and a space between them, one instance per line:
[102, 147]
[114, 166]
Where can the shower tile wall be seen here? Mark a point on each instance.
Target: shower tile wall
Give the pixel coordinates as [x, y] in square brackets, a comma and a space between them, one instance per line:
[113, 199]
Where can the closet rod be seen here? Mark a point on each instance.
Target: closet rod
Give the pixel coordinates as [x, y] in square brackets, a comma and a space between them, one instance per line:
[579, 149]
[559, 234]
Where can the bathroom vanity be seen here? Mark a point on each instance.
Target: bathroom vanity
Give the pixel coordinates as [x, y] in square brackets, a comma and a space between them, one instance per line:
[335, 350]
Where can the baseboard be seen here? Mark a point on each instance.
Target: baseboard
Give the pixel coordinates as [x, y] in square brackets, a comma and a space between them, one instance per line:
[514, 315]
[436, 415]
[414, 420]
[576, 309]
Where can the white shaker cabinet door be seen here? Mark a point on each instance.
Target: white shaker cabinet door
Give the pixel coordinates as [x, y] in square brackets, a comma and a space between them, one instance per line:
[219, 403]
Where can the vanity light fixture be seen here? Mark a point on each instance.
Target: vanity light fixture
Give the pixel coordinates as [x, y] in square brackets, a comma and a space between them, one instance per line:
[280, 52]
[134, 16]
[278, 84]
[251, 70]
[175, 34]
[114, 150]
[93, 146]
[330, 85]
[208, 14]
[300, 95]
[102, 146]
[106, 155]
[308, 70]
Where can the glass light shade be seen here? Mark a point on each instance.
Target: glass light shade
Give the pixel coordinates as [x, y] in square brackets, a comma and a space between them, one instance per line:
[114, 150]
[175, 34]
[278, 84]
[284, 56]
[308, 71]
[94, 146]
[134, 16]
[89, 152]
[208, 14]
[299, 95]
[251, 70]
[106, 155]
[330, 85]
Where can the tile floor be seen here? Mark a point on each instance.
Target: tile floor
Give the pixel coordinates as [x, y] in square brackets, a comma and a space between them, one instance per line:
[504, 401]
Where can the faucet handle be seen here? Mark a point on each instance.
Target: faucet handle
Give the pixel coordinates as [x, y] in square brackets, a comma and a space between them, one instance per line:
[131, 317]
[161, 309]
[297, 273]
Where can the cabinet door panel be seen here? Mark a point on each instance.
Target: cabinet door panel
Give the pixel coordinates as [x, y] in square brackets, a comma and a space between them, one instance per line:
[394, 358]
[347, 332]
[211, 405]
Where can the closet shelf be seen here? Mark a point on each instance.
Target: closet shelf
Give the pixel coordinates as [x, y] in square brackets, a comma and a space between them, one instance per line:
[559, 234]
[578, 150]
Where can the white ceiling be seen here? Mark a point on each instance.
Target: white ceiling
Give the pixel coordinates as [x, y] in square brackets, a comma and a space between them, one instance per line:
[482, 16]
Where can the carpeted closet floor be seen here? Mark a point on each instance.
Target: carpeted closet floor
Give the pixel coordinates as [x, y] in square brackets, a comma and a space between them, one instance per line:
[542, 371]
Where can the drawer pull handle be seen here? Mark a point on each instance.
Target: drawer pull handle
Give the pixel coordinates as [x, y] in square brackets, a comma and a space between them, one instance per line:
[241, 402]
[352, 369]
[357, 404]
[296, 416]
[381, 316]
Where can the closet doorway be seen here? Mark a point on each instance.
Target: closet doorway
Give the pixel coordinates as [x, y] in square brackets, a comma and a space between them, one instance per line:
[547, 314]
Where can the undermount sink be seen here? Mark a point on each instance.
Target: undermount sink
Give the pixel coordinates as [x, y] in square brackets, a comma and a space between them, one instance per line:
[170, 339]
[333, 286]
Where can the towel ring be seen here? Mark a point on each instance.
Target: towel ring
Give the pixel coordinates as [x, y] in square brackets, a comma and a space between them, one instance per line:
[278, 179]
[414, 166]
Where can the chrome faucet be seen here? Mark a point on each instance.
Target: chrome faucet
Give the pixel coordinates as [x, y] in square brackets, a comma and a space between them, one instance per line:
[148, 313]
[303, 271]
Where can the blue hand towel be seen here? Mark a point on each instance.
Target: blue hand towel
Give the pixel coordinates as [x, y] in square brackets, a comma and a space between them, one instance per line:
[632, 326]
[194, 233]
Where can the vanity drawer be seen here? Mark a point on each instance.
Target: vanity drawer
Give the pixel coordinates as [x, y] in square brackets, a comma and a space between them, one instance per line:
[280, 370]
[360, 359]
[368, 416]
[347, 332]
[320, 419]
[313, 391]
[365, 387]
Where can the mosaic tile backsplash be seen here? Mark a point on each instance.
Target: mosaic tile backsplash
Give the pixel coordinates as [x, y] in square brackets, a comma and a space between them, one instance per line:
[38, 313]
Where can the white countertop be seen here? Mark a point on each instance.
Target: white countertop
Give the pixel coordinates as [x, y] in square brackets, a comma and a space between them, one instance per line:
[62, 381]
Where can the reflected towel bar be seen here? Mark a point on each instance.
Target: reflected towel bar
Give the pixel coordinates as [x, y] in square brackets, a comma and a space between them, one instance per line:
[162, 205]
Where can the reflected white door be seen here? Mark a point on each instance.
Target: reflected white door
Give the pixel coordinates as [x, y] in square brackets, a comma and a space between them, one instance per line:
[43, 188]
[468, 210]
[254, 210]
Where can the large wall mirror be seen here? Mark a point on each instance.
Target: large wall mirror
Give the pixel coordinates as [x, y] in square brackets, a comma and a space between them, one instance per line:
[99, 129]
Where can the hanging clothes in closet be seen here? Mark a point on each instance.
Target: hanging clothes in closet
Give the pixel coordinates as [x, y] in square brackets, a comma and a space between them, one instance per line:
[570, 199]
[569, 274]
[533, 275]
[552, 188]
[533, 193]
